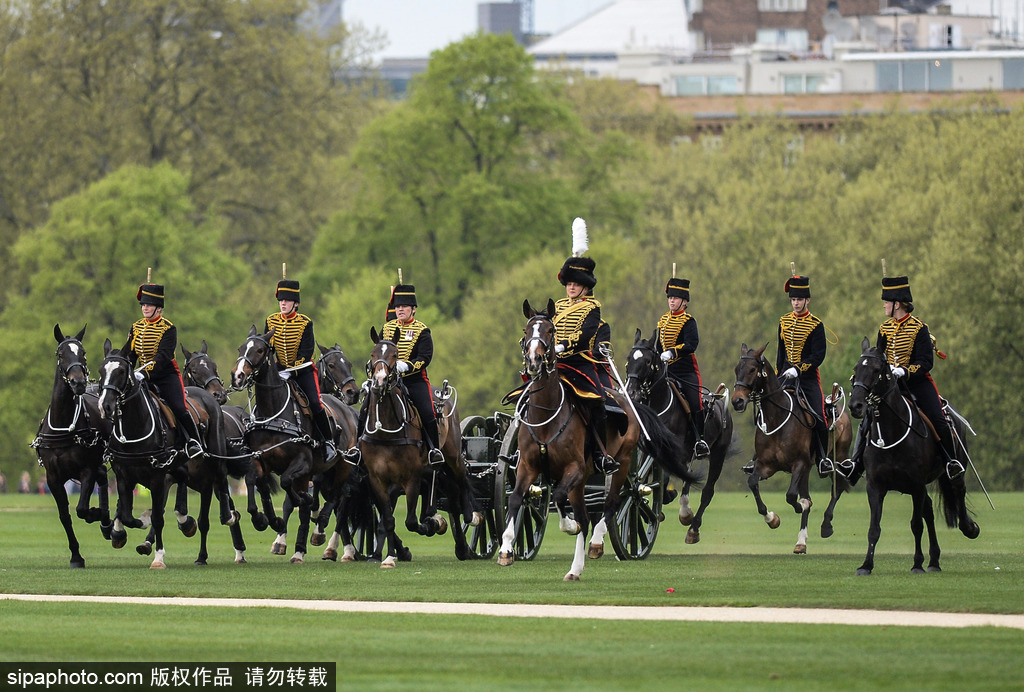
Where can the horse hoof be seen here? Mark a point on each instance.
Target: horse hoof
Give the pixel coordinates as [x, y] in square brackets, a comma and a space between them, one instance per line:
[158, 565]
[199, 563]
[863, 572]
[442, 525]
[348, 558]
[78, 563]
[917, 570]
[934, 568]
[772, 519]
[388, 563]
[686, 519]
[800, 549]
[692, 537]
[330, 554]
[277, 549]
[404, 554]
[297, 560]
[118, 539]
[144, 548]
[259, 522]
[317, 538]
[240, 560]
[571, 577]
[506, 559]
[826, 531]
[106, 529]
[972, 531]
[596, 551]
[188, 527]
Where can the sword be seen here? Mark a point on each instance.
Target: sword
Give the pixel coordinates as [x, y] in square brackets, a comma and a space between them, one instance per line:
[606, 351]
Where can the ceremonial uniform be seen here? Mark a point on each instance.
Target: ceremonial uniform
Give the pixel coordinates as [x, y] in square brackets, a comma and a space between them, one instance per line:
[677, 337]
[802, 349]
[152, 341]
[293, 341]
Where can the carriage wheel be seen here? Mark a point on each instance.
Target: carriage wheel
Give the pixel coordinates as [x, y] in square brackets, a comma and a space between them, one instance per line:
[487, 483]
[533, 517]
[636, 522]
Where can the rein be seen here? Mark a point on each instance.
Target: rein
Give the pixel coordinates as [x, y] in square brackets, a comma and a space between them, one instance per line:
[875, 402]
[192, 378]
[647, 385]
[759, 396]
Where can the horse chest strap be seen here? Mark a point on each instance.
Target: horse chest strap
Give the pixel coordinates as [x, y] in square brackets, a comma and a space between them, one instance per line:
[543, 449]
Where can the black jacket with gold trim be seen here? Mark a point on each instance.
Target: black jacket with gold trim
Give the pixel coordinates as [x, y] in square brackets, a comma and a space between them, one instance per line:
[415, 345]
[801, 344]
[576, 325]
[153, 340]
[293, 338]
[677, 332]
[906, 343]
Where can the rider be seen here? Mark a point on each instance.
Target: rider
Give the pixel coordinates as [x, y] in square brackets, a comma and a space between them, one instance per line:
[677, 336]
[152, 341]
[907, 346]
[801, 351]
[293, 341]
[415, 351]
[577, 322]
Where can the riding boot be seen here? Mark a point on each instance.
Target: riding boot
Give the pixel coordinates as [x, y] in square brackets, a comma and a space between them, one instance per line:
[825, 465]
[700, 447]
[598, 419]
[352, 455]
[432, 439]
[323, 429]
[853, 468]
[954, 469]
[192, 439]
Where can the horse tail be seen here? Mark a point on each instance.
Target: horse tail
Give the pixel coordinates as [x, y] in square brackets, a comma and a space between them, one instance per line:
[950, 501]
[666, 449]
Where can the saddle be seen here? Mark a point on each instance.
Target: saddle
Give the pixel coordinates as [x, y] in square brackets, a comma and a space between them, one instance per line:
[303, 403]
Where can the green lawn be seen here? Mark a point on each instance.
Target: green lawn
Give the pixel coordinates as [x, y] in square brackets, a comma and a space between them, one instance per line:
[739, 562]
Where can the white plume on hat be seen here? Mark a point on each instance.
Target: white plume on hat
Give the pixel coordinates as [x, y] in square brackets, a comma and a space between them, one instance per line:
[579, 237]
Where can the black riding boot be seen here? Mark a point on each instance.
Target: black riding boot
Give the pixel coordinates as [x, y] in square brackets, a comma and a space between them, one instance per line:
[352, 455]
[434, 455]
[603, 463]
[323, 428]
[192, 440]
[825, 465]
[700, 447]
[954, 469]
[853, 468]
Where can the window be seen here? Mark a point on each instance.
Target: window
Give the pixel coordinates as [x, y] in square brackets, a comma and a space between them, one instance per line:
[782, 5]
[689, 86]
[722, 85]
[914, 75]
[699, 85]
[792, 39]
[1013, 74]
[801, 83]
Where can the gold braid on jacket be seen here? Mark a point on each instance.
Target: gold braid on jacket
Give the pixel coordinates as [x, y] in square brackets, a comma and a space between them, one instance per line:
[794, 331]
[287, 337]
[405, 336]
[568, 320]
[145, 339]
[900, 338]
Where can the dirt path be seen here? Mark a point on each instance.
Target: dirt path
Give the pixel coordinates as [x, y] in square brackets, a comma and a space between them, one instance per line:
[817, 616]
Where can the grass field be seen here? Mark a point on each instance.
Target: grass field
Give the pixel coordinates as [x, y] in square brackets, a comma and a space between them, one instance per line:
[739, 562]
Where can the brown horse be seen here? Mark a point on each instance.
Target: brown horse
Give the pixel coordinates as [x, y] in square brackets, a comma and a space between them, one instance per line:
[335, 371]
[552, 434]
[902, 453]
[783, 440]
[71, 440]
[395, 453]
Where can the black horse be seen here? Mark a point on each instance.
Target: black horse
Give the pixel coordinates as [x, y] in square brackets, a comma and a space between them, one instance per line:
[335, 371]
[143, 450]
[71, 440]
[647, 383]
[903, 454]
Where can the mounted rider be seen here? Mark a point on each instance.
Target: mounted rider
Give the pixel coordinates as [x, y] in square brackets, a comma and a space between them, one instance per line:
[908, 348]
[293, 341]
[415, 351]
[152, 341]
[577, 321]
[801, 351]
[677, 337]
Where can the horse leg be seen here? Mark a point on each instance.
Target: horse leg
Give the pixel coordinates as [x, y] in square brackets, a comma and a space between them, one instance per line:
[798, 489]
[526, 476]
[280, 544]
[453, 488]
[715, 466]
[839, 486]
[917, 528]
[562, 493]
[228, 515]
[876, 497]
[103, 487]
[386, 527]
[186, 524]
[933, 539]
[579, 510]
[612, 503]
[770, 518]
[237, 541]
[159, 494]
[205, 500]
[60, 498]
[301, 534]
[596, 549]
[259, 519]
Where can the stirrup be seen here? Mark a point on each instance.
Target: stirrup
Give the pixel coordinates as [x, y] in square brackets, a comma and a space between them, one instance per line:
[329, 452]
[512, 461]
[845, 468]
[748, 468]
[352, 455]
[434, 457]
[605, 464]
[193, 449]
[701, 449]
[826, 468]
[954, 469]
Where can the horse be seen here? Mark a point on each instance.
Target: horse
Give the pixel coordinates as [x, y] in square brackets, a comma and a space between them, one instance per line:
[335, 372]
[394, 450]
[903, 453]
[200, 371]
[785, 433]
[142, 451]
[552, 436]
[647, 383]
[71, 440]
[280, 437]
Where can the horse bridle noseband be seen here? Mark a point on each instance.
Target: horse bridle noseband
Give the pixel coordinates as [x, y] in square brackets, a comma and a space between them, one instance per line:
[77, 363]
[549, 349]
[335, 387]
[655, 374]
[391, 378]
[212, 378]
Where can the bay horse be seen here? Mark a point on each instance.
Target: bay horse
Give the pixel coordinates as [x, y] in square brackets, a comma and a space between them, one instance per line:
[335, 371]
[280, 436]
[143, 451]
[903, 454]
[394, 450]
[647, 382]
[782, 442]
[552, 437]
[71, 439]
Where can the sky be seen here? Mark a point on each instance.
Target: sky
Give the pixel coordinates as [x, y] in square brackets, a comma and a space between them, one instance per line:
[416, 27]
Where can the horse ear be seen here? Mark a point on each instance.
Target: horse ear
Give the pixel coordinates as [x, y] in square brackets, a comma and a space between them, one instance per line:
[270, 334]
[528, 310]
[106, 348]
[743, 349]
[185, 352]
[551, 308]
[202, 347]
[883, 342]
[865, 345]
[374, 337]
[320, 347]
[759, 351]
[57, 333]
[637, 338]
[81, 334]
[252, 330]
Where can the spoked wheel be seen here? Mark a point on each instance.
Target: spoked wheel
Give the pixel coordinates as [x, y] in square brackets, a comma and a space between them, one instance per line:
[533, 516]
[639, 516]
[487, 483]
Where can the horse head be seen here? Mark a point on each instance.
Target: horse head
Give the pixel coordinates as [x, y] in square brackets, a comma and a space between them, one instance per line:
[381, 368]
[644, 368]
[872, 379]
[539, 340]
[200, 371]
[117, 380]
[753, 376]
[335, 371]
[253, 356]
[71, 364]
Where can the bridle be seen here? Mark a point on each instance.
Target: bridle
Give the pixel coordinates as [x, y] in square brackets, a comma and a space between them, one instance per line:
[758, 395]
[874, 401]
[66, 371]
[214, 377]
[129, 391]
[256, 367]
[334, 385]
[547, 344]
[380, 390]
[390, 373]
[656, 373]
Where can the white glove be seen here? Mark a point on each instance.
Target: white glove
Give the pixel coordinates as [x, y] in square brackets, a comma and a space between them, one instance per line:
[402, 366]
[666, 356]
[139, 376]
[559, 348]
[285, 374]
[898, 372]
[791, 372]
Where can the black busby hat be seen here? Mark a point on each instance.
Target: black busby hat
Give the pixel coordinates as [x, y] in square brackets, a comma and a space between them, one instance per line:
[404, 294]
[678, 288]
[287, 289]
[798, 287]
[896, 288]
[578, 269]
[151, 294]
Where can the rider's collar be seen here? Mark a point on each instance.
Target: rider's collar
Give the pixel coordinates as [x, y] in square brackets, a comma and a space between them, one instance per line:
[152, 320]
[801, 315]
[291, 315]
[678, 312]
